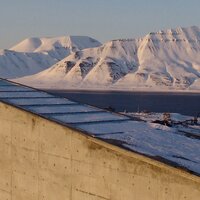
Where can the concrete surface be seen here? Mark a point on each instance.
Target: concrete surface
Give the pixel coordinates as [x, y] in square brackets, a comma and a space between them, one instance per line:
[43, 160]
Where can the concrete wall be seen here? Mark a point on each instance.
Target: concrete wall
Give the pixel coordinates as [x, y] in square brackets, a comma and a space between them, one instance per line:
[42, 160]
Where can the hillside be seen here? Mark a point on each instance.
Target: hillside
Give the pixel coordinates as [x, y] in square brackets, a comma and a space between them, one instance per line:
[160, 60]
[36, 54]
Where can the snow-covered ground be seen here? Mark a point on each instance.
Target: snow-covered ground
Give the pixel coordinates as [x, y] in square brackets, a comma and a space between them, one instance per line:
[177, 145]
[163, 60]
[180, 123]
[152, 116]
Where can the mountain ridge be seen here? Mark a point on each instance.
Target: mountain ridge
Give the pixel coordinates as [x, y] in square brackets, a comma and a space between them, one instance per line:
[36, 44]
[33, 55]
[164, 59]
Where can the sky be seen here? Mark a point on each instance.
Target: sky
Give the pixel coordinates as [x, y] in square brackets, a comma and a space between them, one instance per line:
[101, 19]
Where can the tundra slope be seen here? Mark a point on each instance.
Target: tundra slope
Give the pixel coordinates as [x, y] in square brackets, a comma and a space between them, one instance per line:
[36, 54]
[162, 60]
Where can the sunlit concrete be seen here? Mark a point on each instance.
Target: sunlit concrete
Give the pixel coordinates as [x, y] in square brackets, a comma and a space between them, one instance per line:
[43, 160]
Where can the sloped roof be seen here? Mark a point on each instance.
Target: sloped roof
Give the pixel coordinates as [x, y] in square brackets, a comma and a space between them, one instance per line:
[169, 147]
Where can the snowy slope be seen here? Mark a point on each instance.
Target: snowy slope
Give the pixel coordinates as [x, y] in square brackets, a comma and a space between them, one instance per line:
[36, 54]
[90, 67]
[161, 60]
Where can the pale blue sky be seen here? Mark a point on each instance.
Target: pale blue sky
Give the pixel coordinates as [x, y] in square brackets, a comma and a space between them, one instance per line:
[101, 19]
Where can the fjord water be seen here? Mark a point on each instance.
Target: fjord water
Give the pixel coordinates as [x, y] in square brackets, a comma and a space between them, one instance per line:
[183, 103]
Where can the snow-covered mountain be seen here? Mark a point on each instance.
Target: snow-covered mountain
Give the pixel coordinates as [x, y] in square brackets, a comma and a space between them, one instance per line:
[36, 54]
[161, 60]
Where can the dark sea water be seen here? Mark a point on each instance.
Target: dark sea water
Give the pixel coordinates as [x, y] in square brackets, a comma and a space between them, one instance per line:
[184, 103]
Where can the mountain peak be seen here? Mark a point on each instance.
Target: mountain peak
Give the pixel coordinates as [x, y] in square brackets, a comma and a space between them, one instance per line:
[49, 43]
[167, 59]
[34, 54]
[81, 42]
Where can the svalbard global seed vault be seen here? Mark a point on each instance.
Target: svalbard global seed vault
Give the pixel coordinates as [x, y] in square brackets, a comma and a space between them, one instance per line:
[52, 148]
